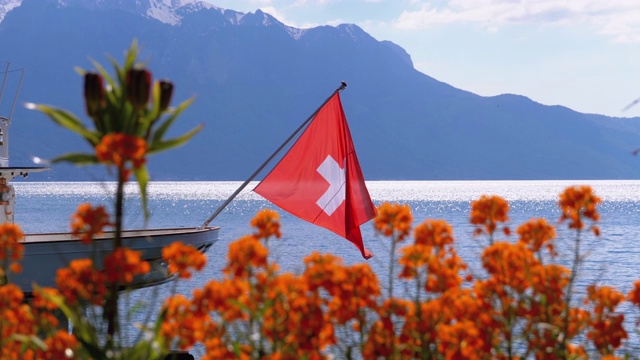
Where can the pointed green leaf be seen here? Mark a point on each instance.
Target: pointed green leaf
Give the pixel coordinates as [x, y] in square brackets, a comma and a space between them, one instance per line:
[155, 107]
[142, 175]
[174, 115]
[173, 143]
[77, 158]
[69, 121]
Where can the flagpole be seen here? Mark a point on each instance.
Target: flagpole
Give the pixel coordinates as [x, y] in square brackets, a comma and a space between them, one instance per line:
[275, 153]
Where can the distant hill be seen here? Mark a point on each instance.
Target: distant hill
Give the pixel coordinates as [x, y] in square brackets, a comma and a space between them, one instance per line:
[255, 80]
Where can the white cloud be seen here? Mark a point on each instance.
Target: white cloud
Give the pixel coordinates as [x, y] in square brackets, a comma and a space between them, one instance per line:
[275, 13]
[298, 3]
[619, 19]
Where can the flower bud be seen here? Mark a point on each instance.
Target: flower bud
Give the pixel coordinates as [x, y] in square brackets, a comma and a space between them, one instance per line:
[93, 93]
[166, 91]
[138, 87]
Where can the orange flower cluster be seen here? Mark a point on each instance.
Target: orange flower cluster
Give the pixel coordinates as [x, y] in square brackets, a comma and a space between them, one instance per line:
[267, 224]
[10, 248]
[607, 331]
[81, 281]
[578, 203]
[119, 149]
[487, 212]
[20, 320]
[257, 311]
[123, 264]
[393, 220]
[181, 258]
[88, 222]
[537, 233]
[519, 308]
[432, 260]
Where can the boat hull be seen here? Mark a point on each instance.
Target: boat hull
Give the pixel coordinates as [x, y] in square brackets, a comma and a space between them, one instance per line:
[45, 253]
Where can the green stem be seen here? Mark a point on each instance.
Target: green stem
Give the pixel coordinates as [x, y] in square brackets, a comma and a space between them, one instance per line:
[391, 265]
[111, 306]
[572, 277]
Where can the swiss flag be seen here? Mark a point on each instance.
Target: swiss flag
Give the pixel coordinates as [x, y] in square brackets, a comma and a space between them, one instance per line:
[320, 180]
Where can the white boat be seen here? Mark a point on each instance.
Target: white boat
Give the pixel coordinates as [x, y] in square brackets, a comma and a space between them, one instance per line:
[44, 253]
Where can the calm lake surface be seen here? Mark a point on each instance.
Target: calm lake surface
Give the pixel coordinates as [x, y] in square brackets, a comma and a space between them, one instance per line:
[613, 259]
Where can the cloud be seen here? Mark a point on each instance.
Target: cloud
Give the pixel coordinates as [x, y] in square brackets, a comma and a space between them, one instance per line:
[275, 13]
[619, 19]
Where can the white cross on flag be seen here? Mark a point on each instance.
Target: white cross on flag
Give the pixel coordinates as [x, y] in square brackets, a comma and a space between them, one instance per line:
[320, 180]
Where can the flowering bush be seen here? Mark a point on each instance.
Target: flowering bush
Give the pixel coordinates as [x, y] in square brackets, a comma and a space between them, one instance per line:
[523, 306]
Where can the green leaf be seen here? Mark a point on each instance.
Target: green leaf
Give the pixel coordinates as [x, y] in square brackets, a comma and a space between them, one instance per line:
[82, 328]
[142, 175]
[69, 121]
[30, 339]
[77, 158]
[104, 73]
[158, 146]
[154, 114]
[174, 115]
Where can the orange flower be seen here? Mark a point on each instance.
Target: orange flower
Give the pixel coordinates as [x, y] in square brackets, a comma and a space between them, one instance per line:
[323, 271]
[15, 267]
[118, 149]
[437, 233]
[10, 246]
[181, 258]
[461, 340]
[10, 250]
[536, 233]
[244, 256]
[577, 203]
[41, 298]
[413, 258]
[512, 265]
[182, 323]
[487, 212]
[81, 281]
[382, 340]
[421, 328]
[267, 223]
[354, 290]
[11, 235]
[295, 318]
[604, 298]
[607, 330]
[444, 272]
[88, 222]
[634, 294]
[10, 296]
[123, 264]
[222, 297]
[59, 346]
[393, 220]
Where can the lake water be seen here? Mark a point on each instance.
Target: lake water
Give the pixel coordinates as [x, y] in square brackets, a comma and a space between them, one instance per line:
[614, 257]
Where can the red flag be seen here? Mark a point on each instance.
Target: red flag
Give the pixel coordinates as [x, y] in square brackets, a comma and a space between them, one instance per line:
[320, 180]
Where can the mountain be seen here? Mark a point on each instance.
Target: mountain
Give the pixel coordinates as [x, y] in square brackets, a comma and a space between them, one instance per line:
[255, 80]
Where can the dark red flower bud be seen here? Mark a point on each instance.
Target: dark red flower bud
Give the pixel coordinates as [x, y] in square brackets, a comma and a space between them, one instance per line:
[166, 91]
[138, 87]
[93, 93]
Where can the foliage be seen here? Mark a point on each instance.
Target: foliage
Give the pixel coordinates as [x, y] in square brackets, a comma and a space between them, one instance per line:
[523, 306]
[130, 116]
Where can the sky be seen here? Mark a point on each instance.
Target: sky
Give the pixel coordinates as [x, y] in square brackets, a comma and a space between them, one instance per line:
[582, 54]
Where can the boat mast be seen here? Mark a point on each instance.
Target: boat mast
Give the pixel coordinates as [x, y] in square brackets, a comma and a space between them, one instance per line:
[5, 121]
